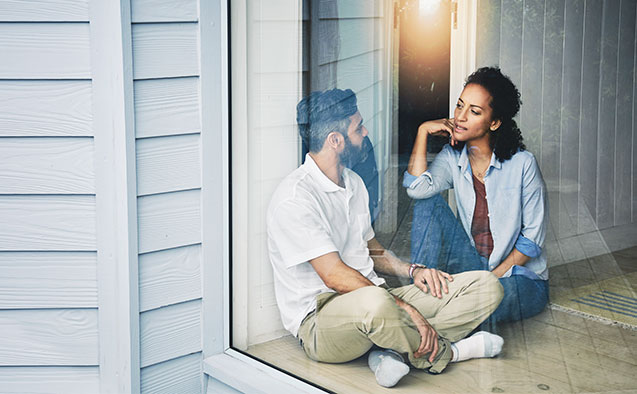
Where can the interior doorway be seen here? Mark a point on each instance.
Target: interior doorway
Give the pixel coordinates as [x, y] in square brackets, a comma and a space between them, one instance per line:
[424, 28]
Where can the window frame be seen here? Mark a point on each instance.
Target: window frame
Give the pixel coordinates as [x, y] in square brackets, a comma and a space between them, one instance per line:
[221, 361]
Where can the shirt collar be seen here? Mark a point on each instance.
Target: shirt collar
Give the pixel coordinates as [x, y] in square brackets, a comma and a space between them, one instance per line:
[324, 183]
[463, 162]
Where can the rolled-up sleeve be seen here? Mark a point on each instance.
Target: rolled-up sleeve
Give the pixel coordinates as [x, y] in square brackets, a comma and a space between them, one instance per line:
[437, 178]
[534, 211]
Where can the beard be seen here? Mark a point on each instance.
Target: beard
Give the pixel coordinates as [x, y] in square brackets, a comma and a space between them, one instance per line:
[352, 154]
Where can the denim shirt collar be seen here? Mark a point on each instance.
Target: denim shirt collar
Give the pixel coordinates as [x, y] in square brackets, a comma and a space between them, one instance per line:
[465, 166]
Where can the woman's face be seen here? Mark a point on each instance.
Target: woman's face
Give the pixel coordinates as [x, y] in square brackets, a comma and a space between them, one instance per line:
[473, 115]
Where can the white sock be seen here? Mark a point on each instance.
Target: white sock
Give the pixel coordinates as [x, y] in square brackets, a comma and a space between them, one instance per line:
[388, 366]
[480, 344]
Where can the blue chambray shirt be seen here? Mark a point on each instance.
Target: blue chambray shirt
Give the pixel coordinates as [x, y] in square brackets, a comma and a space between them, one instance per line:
[516, 197]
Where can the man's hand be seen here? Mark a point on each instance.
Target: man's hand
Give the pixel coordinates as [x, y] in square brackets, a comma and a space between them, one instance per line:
[427, 279]
[428, 336]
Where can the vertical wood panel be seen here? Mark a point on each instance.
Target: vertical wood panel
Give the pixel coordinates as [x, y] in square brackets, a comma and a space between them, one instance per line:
[589, 115]
[624, 136]
[531, 84]
[511, 39]
[117, 266]
[488, 34]
[551, 104]
[607, 116]
[570, 115]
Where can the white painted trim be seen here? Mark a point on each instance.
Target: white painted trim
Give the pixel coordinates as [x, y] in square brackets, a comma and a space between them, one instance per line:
[463, 48]
[233, 367]
[240, 189]
[116, 197]
[215, 203]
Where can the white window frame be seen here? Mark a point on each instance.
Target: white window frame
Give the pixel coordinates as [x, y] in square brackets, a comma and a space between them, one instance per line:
[221, 362]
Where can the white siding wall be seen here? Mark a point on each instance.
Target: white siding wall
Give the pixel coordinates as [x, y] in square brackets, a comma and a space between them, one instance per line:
[167, 128]
[48, 279]
[48, 244]
[574, 62]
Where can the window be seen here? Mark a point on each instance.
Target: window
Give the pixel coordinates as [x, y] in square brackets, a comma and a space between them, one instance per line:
[405, 66]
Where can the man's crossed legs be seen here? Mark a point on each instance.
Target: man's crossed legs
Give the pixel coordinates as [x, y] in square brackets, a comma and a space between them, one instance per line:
[344, 327]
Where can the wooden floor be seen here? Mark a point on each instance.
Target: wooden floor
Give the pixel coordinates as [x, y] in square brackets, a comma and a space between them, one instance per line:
[553, 352]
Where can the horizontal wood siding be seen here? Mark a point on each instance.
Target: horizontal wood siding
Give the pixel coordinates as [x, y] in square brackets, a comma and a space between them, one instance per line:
[46, 165]
[576, 77]
[48, 277]
[45, 108]
[177, 376]
[169, 277]
[169, 220]
[37, 380]
[167, 126]
[48, 280]
[167, 107]
[44, 50]
[48, 222]
[44, 11]
[170, 332]
[351, 9]
[168, 164]
[165, 50]
[49, 337]
[358, 37]
[143, 11]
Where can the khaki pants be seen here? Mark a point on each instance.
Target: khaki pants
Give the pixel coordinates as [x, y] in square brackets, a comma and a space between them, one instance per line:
[344, 327]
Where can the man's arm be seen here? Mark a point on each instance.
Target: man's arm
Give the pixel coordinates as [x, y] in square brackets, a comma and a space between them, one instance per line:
[425, 279]
[340, 277]
[337, 275]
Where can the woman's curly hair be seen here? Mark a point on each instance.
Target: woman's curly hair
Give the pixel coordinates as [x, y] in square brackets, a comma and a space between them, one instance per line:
[505, 103]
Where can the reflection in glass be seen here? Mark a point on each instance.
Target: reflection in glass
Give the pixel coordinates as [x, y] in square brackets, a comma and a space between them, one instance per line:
[578, 130]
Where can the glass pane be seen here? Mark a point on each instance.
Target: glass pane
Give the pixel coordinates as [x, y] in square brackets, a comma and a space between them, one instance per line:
[344, 175]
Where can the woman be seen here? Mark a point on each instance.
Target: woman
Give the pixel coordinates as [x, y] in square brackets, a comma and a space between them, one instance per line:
[500, 194]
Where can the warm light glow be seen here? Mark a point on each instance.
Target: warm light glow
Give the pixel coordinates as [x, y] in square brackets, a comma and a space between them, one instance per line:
[428, 7]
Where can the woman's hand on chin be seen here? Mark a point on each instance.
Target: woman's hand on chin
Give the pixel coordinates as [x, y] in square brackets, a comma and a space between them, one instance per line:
[439, 127]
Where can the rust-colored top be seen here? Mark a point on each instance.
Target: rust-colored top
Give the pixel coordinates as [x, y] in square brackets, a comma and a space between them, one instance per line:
[480, 229]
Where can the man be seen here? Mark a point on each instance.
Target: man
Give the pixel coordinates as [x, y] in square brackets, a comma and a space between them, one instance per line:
[325, 257]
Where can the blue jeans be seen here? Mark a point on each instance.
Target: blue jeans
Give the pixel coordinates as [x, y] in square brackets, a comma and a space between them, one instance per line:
[439, 241]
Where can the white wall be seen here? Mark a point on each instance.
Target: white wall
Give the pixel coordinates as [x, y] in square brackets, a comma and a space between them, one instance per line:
[71, 94]
[574, 62]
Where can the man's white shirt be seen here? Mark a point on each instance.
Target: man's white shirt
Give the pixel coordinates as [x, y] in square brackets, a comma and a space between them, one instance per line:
[310, 216]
